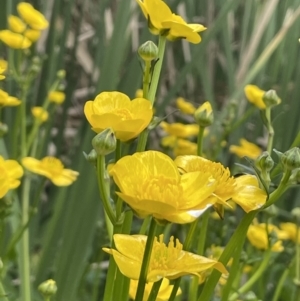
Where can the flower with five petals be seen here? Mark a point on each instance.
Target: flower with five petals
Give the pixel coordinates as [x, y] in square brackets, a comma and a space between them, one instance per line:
[167, 261]
[128, 118]
[151, 184]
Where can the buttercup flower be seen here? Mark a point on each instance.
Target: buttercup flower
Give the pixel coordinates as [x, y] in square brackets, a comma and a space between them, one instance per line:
[56, 97]
[246, 149]
[167, 261]
[40, 114]
[10, 173]
[185, 147]
[32, 34]
[255, 95]
[151, 184]
[179, 129]
[128, 118]
[164, 292]
[3, 68]
[14, 40]
[31, 16]
[185, 106]
[16, 24]
[51, 168]
[243, 190]
[258, 237]
[291, 230]
[162, 21]
[8, 101]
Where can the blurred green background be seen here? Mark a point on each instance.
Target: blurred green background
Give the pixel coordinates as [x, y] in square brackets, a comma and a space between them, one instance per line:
[96, 41]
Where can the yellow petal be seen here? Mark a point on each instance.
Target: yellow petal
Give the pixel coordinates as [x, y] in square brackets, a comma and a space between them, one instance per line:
[255, 95]
[14, 40]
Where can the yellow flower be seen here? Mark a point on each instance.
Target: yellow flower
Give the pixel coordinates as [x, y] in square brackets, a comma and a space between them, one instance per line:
[255, 95]
[3, 65]
[180, 130]
[10, 173]
[185, 147]
[56, 97]
[258, 237]
[52, 168]
[291, 230]
[243, 190]
[40, 114]
[246, 149]
[31, 16]
[162, 21]
[150, 184]
[16, 24]
[8, 101]
[128, 118]
[167, 261]
[185, 106]
[164, 292]
[14, 40]
[204, 115]
[32, 34]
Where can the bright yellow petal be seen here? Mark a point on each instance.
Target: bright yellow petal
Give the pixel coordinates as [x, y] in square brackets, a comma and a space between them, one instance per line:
[14, 40]
[255, 95]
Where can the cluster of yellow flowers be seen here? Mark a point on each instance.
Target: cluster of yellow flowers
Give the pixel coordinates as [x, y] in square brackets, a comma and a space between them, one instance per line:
[24, 31]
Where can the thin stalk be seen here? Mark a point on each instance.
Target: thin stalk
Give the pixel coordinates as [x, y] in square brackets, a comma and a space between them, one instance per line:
[200, 140]
[104, 192]
[270, 131]
[146, 261]
[155, 290]
[157, 69]
[203, 233]
[258, 273]
[146, 79]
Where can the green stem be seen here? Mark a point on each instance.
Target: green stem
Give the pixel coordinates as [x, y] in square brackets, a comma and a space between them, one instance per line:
[157, 69]
[142, 142]
[146, 261]
[145, 225]
[200, 140]
[270, 130]
[258, 273]
[281, 281]
[146, 79]
[203, 232]
[24, 246]
[236, 239]
[104, 191]
[155, 290]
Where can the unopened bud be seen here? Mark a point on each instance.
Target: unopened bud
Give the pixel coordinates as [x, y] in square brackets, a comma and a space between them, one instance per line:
[271, 98]
[48, 288]
[3, 129]
[148, 51]
[61, 74]
[204, 115]
[264, 162]
[105, 142]
[291, 158]
[296, 213]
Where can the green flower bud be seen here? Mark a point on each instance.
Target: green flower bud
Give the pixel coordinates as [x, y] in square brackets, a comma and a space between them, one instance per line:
[296, 213]
[48, 288]
[148, 51]
[154, 123]
[61, 74]
[105, 142]
[264, 162]
[291, 159]
[91, 157]
[3, 129]
[271, 98]
[204, 115]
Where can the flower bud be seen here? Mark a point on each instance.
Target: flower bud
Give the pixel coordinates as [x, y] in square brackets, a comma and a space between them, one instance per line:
[61, 74]
[204, 115]
[91, 157]
[291, 158]
[296, 213]
[148, 51]
[271, 99]
[3, 129]
[264, 162]
[105, 142]
[48, 288]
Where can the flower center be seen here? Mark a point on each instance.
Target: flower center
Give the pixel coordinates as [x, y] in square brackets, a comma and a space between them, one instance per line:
[52, 165]
[164, 257]
[161, 189]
